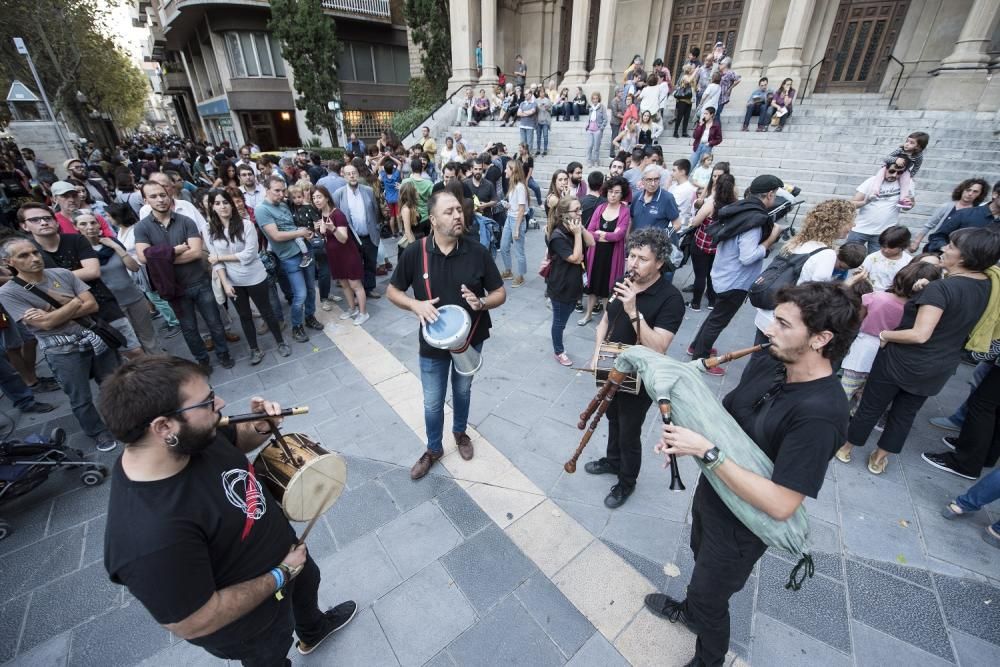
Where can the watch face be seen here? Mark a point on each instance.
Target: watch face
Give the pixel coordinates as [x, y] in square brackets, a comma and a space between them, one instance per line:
[711, 455]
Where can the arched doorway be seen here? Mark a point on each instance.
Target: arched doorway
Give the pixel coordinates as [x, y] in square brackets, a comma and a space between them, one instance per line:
[701, 23]
[864, 35]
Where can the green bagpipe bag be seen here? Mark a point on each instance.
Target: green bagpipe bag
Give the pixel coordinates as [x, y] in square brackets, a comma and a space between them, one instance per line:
[694, 406]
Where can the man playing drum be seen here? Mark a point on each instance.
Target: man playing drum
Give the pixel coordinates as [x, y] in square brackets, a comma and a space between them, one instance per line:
[646, 310]
[193, 533]
[446, 268]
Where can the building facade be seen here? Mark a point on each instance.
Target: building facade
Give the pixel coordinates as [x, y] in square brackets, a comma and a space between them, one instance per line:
[228, 81]
[931, 54]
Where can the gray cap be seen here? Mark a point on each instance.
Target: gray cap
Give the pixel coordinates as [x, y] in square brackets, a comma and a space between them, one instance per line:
[62, 187]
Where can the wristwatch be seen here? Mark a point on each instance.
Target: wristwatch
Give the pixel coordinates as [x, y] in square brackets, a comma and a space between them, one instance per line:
[712, 458]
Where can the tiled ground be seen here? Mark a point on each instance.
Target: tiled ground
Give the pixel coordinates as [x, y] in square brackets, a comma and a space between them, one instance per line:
[509, 560]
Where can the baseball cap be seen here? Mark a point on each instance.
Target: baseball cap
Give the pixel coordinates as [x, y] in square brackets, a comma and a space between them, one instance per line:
[70, 161]
[62, 187]
[765, 183]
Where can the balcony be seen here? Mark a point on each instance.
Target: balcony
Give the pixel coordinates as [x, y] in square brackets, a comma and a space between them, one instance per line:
[175, 82]
[366, 8]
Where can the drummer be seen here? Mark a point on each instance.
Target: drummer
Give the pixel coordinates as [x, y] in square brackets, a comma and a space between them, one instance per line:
[192, 532]
[446, 268]
[646, 310]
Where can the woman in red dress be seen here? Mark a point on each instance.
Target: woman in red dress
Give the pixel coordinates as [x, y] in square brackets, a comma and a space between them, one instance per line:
[343, 253]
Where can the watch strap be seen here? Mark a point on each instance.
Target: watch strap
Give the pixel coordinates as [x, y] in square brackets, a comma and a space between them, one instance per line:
[719, 458]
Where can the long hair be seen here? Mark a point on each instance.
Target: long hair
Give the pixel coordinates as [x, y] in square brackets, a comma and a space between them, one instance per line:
[408, 196]
[825, 222]
[552, 183]
[326, 194]
[216, 228]
[516, 176]
[968, 183]
[558, 214]
[725, 191]
[718, 166]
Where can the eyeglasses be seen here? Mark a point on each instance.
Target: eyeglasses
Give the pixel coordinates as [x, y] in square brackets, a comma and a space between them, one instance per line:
[896, 169]
[39, 219]
[210, 401]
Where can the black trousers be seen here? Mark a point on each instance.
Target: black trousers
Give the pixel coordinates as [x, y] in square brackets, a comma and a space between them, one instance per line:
[299, 611]
[261, 295]
[879, 392]
[978, 444]
[702, 263]
[725, 552]
[726, 306]
[625, 416]
[681, 112]
[369, 258]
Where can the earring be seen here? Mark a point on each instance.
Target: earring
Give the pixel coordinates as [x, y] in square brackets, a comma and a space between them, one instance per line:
[171, 440]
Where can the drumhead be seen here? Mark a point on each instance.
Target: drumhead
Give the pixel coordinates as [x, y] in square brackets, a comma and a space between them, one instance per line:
[450, 330]
[307, 489]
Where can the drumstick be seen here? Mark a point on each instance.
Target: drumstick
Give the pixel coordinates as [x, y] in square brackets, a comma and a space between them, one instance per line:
[312, 522]
[254, 416]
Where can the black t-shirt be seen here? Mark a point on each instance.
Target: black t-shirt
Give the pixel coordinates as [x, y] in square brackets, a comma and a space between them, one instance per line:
[72, 249]
[799, 427]
[466, 190]
[587, 206]
[485, 192]
[565, 281]
[661, 305]
[924, 369]
[176, 541]
[469, 264]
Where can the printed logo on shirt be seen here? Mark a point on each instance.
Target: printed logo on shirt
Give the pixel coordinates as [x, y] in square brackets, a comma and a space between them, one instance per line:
[244, 492]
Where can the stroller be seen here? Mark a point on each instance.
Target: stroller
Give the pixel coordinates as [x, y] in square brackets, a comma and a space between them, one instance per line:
[25, 464]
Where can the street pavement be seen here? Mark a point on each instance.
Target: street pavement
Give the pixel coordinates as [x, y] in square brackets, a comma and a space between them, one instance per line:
[507, 559]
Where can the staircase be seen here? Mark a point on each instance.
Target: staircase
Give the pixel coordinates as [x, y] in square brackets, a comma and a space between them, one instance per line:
[832, 143]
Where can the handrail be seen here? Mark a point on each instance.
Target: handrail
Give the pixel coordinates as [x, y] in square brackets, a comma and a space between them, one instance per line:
[899, 76]
[429, 118]
[805, 88]
[556, 73]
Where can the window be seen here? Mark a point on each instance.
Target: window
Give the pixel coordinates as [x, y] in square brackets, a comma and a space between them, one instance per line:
[367, 123]
[360, 61]
[253, 54]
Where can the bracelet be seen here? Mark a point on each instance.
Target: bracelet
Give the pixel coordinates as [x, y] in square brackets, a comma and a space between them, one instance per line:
[279, 578]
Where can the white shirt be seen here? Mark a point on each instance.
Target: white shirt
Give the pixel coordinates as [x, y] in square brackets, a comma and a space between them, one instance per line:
[356, 207]
[881, 213]
[253, 197]
[818, 268]
[881, 270]
[685, 194]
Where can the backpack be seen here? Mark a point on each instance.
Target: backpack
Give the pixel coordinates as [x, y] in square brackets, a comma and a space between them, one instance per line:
[783, 271]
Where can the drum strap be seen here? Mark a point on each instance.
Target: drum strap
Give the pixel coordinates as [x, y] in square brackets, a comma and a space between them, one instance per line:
[251, 500]
[427, 288]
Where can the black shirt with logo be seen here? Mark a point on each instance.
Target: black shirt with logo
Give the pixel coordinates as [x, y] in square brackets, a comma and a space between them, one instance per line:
[72, 249]
[175, 542]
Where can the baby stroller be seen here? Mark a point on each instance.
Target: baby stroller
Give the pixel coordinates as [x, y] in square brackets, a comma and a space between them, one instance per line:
[25, 464]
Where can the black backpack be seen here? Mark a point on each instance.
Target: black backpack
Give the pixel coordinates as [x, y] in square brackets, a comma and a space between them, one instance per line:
[784, 270]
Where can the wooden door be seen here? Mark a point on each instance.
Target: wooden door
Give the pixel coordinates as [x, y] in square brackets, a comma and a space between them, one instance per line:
[701, 23]
[864, 35]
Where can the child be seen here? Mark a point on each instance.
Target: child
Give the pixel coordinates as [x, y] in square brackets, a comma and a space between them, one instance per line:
[913, 149]
[883, 265]
[390, 178]
[703, 172]
[297, 198]
[849, 257]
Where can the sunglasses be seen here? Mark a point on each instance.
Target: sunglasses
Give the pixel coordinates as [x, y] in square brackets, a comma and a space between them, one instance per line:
[210, 401]
[896, 169]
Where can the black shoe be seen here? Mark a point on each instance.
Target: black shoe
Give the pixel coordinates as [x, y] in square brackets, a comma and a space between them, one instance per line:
[333, 620]
[578, 307]
[688, 288]
[619, 494]
[299, 334]
[206, 366]
[946, 461]
[171, 331]
[600, 467]
[950, 441]
[666, 607]
[37, 408]
[599, 307]
[313, 323]
[45, 385]
[694, 306]
[226, 361]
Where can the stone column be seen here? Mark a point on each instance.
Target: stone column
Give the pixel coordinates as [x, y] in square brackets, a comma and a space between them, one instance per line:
[962, 82]
[463, 47]
[788, 61]
[603, 76]
[489, 37]
[751, 44]
[972, 49]
[576, 74]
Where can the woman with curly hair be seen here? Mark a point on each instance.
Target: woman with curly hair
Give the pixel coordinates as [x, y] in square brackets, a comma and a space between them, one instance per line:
[970, 192]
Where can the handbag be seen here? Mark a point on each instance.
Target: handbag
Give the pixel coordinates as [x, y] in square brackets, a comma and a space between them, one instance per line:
[545, 267]
[106, 331]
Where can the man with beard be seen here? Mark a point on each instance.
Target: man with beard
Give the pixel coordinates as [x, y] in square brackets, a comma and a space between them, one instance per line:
[446, 268]
[798, 420]
[576, 184]
[193, 533]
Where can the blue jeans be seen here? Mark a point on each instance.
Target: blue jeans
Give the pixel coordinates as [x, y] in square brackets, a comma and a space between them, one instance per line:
[760, 110]
[322, 272]
[981, 494]
[507, 239]
[200, 297]
[533, 186]
[434, 379]
[74, 368]
[982, 369]
[594, 146]
[561, 312]
[272, 293]
[870, 240]
[526, 134]
[303, 289]
[542, 137]
[12, 384]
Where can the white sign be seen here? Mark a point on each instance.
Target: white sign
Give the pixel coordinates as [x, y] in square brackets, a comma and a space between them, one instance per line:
[19, 45]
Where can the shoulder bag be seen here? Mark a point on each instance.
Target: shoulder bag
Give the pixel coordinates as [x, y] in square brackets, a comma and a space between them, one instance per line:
[103, 329]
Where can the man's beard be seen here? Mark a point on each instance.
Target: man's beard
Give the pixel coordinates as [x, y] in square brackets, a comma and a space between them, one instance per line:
[192, 441]
[575, 182]
[788, 355]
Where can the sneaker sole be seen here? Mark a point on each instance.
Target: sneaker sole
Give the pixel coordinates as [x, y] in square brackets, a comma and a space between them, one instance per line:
[298, 644]
[946, 468]
[947, 444]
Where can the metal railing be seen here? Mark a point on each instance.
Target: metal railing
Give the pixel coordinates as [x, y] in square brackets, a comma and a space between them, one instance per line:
[557, 73]
[437, 109]
[805, 88]
[367, 7]
[899, 76]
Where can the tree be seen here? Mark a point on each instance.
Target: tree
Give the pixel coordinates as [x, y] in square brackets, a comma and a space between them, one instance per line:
[309, 43]
[431, 29]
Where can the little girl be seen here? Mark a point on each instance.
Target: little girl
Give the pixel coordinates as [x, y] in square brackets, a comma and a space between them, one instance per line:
[883, 265]
[703, 171]
[912, 148]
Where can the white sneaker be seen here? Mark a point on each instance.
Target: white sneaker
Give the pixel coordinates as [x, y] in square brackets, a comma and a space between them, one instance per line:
[361, 319]
[350, 315]
[326, 304]
[334, 297]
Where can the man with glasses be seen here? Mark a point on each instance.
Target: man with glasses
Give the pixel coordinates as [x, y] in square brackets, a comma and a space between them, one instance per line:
[76, 169]
[193, 532]
[74, 353]
[67, 199]
[253, 192]
[655, 207]
[879, 204]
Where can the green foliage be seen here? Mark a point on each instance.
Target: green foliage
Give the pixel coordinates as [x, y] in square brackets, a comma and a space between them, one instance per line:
[423, 94]
[405, 122]
[431, 29]
[309, 43]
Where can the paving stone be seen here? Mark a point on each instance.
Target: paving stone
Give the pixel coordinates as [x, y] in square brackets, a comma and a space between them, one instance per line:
[407, 494]
[338, 433]
[442, 659]
[362, 571]
[360, 470]
[819, 608]
[41, 562]
[541, 470]
[463, 511]
[360, 511]
[508, 568]
[11, 621]
[68, 601]
[898, 608]
[396, 444]
[597, 652]
[93, 541]
[523, 407]
[877, 649]
[404, 613]
[775, 643]
[506, 636]
[877, 533]
[654, 539]
[651, 641]
[183, 653]
[959, 541]
[418, 537]
[970, 606]
[503, 434]
[592, 517]
[859, 488]
[912, 574]
[28, 516]
[974, 651]
[321, 542]
[124, 636]
[362, 642]
[930, 487]
[52, 653]
[651, 570]
[566, 626]
[549, 537]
